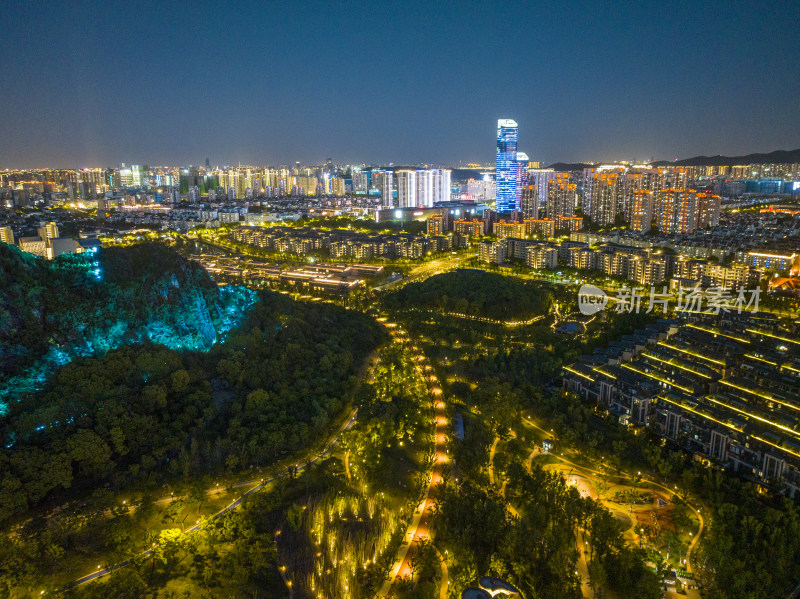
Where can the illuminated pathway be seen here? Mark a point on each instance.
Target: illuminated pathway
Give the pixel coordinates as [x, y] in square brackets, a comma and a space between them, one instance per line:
[673, 492]
[419, 528]
[429, 269]
[491, 460]
[445, 577]
[580, 538]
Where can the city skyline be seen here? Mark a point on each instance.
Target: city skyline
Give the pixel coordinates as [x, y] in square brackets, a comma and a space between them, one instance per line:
[252, 85]
[397, 300]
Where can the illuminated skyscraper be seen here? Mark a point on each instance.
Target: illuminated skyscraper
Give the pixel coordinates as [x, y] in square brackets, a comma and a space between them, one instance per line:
[406, 188]
[441, 185]
[506, 165]
[424, 188]
[386, 184]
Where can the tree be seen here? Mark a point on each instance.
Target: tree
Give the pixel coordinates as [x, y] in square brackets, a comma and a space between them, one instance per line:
[170, 543]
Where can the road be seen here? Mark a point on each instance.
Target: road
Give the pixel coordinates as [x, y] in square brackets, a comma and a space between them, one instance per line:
[332, 443]
[428, 269]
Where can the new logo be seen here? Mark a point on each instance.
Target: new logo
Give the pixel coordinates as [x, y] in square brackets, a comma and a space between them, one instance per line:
[591, 299]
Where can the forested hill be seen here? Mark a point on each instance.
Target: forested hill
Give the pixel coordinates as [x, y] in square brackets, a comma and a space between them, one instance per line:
[81, 305]
[122, 365]
[475, 292]
[142, 414]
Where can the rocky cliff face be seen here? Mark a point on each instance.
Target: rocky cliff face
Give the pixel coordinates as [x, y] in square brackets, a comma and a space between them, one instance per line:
[85, 305]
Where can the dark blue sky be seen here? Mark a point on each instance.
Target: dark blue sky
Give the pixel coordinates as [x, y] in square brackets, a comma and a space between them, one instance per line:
[96, 83]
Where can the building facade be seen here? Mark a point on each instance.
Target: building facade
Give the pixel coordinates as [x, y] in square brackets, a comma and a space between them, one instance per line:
[506, 165]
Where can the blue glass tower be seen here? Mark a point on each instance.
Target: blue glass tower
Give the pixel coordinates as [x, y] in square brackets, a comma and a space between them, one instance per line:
[506, 165]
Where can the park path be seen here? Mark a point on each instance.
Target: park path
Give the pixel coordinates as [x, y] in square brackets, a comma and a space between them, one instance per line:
[419, 529]
[580, 541]
[670, 492]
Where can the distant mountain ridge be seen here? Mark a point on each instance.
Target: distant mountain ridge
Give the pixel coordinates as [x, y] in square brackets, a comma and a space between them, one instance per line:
[570, 166]
[776, 157]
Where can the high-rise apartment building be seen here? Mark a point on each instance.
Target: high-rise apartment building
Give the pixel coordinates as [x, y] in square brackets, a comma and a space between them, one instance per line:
[481, 189]
[48, 231]
[641, 210]
[676, 210]
[441, 185]
[541, 177]
[424, 183]
[337, 186]
[561, 195]
[241, 184]
[140, 175]
[522, 177]
[470, 228]
[435, 225]
[529, 202]
[540, 256]
[386, 183]
[504, 228]
[569, 223]
[506, 165]
[86, 190]
[359, 182]
[603, 195]
[544, 226]
[406, 188]
[708, 206]
[308, 184]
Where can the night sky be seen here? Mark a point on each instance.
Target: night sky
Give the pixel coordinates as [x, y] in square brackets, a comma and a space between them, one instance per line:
[98, 83]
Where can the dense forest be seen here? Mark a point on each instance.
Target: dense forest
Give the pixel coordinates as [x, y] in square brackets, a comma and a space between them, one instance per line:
[326, 530]
[536, 551]
[142, 412]
[486, 294]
